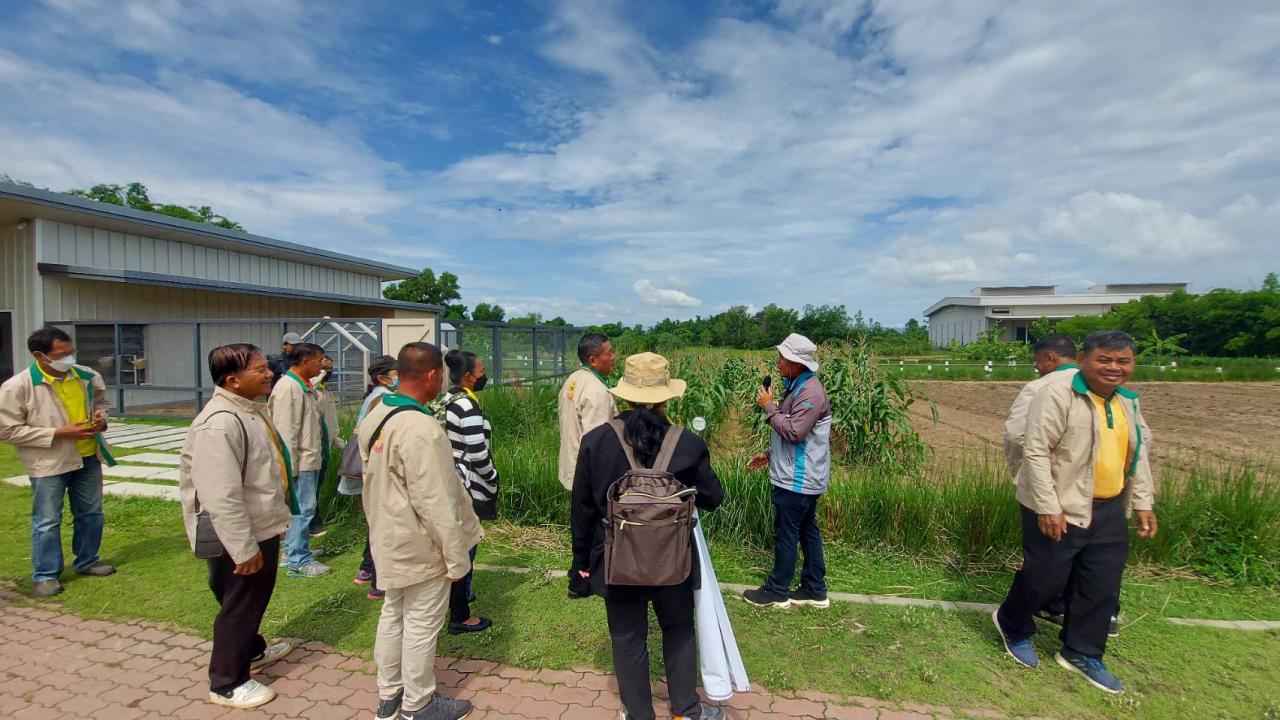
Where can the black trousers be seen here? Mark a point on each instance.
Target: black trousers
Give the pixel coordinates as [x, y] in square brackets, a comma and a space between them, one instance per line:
[628, 612]
[366, 563]
[460, 593]
[795, 520]
[243, 600]
[1088, 563]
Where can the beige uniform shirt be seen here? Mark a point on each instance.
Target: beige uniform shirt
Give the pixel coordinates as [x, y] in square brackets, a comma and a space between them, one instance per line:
[585, 404]
[421, 523]
[296, 414]
[1015, 426]
[31, 411]
[245, 509]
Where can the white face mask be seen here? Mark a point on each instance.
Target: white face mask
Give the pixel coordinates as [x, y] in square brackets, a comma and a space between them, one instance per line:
[63, 364]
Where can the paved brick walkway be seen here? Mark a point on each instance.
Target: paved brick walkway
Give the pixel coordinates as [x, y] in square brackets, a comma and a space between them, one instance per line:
[60, 665]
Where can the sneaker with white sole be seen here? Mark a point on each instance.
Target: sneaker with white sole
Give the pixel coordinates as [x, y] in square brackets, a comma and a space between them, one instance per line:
[800, 596]
[249, 695]
[761, 597]
[390, 707]
[314, 568]
[271, 654]
[1091, 669]
[1021, 650]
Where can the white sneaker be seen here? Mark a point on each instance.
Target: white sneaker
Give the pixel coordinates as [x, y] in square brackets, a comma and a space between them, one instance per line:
[271, 654]
[249, 695]
[314, 568]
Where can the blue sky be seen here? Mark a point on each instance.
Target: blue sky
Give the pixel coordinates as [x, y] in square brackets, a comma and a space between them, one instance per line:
[633, 161]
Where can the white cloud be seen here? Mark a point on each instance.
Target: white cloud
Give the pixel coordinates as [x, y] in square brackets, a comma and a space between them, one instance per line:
[493, 39]
[664, 297]
[1128, 228]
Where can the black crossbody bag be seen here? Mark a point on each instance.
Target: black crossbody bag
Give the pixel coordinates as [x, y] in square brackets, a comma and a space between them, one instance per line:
[208, 546]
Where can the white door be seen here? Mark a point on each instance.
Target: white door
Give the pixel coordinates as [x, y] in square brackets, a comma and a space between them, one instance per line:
[401, 331]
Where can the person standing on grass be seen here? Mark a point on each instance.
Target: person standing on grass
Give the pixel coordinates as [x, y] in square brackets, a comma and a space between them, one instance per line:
[421, 529]
[328, 405]
[296, 412]
[646, 386]
[799, 461]
[469, 434]
[382, 381]
[54, 414]
[584, 404]
[235, 468]
[1085, 467]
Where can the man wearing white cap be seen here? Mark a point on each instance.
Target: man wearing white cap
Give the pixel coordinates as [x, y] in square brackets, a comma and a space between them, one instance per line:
[799, 460]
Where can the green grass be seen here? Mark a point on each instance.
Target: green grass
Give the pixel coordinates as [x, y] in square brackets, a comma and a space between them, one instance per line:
[899, 654]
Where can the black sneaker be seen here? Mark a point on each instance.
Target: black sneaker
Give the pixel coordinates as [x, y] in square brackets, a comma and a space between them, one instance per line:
[800, 596]
[761, 597]
[461, 628]
[440, 708]
[1113, 630]
[317, 530]
[388, 709]
[1051, 617]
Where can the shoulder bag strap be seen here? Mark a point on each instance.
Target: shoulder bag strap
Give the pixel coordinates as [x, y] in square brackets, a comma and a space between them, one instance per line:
[368, 450]
[619, 428]
[244, 456]
[668, 449]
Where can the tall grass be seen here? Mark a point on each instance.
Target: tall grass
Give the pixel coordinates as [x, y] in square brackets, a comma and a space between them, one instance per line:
[1218, 519]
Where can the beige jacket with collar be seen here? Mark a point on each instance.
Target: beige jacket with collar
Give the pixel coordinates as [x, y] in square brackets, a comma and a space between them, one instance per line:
[584, 405]
[296, 414]
[1060, 451]
[233, 466]
[1015, 426]
[30, 413]
[421, 522]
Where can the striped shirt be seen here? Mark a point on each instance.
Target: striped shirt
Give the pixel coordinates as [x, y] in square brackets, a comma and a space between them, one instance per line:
[469, 433]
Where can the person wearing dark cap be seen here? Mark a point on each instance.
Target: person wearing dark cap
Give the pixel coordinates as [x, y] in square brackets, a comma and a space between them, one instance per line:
[280, 364]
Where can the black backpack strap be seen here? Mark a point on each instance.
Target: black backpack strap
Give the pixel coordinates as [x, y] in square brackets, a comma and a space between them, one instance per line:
[619, 428]
[668, 450]
[368, 450]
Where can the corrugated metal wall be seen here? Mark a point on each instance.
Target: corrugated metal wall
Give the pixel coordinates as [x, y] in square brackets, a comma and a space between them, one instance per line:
[18, 283]
[72, 299]
[67, 244]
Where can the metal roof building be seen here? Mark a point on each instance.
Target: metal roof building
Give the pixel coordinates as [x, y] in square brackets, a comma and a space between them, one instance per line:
[119, 276]
[965, 318]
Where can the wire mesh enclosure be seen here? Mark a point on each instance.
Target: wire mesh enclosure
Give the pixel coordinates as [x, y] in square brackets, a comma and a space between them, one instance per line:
[517, 354]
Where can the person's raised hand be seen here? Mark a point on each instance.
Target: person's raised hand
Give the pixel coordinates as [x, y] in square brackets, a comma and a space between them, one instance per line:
[758, 461]
[1053, 526]
[764, 397]
[75, 432]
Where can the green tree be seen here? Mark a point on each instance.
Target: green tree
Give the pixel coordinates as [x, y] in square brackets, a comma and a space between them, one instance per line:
[1154, 346]
[775, 324]
[823, 323]
[489, 313]
[136, 196]
[1040, 329]
[426, 288]
[1271, 284]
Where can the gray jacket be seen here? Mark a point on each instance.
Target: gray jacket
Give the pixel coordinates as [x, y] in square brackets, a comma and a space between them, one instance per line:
[800, 450]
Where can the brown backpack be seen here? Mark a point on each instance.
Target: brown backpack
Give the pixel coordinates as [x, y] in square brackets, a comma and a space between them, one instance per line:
[650, 521]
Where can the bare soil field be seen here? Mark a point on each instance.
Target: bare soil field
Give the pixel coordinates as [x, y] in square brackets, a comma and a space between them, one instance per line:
[1233, 421]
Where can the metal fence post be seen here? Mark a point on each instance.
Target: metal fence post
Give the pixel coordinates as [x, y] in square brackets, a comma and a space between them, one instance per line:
[119, 379]
[195, 328]
[533, 346]
[497, 353]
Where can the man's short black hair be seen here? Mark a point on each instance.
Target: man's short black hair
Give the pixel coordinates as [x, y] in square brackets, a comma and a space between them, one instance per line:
[227, 360]
[302, 352]
[1109, 340]
[591, 344]
[1062, 345]
[41, 341]
[416, 359]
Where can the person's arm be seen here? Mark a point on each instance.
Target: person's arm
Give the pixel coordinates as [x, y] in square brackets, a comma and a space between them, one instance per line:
[1142, 493]
[466, 431]
[435, 494]
[1046, 424]
[805, 412]
[217, 457]
[101, 403]
[584, 516]
[13, 420]
[330, 410]
[1015, 428]
[286, 408]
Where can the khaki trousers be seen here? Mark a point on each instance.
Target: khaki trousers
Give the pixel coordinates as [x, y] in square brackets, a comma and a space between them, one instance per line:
[405, 648]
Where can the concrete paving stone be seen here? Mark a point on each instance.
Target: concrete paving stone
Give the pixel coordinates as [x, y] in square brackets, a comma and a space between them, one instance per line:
[574, 711]
[131, 471]
[175, 445]
[903, 715]
[150, 440]
[844, 712]
[131, 489]
[532, 709]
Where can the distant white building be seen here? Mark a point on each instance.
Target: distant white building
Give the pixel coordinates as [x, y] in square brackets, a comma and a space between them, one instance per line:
[964, 318]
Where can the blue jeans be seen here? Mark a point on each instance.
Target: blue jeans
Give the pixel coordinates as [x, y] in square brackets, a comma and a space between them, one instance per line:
[795, 521]
[297, 543]
[84, 486]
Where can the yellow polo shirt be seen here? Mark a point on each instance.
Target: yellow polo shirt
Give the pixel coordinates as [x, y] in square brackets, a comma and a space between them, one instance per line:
[71, 392]
[1113, 448]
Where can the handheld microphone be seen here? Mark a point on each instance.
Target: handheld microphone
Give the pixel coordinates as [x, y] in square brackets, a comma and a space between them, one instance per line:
[765, 383]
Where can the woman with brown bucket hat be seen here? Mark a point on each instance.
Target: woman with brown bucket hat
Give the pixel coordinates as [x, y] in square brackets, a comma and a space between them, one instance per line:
[654, 444]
